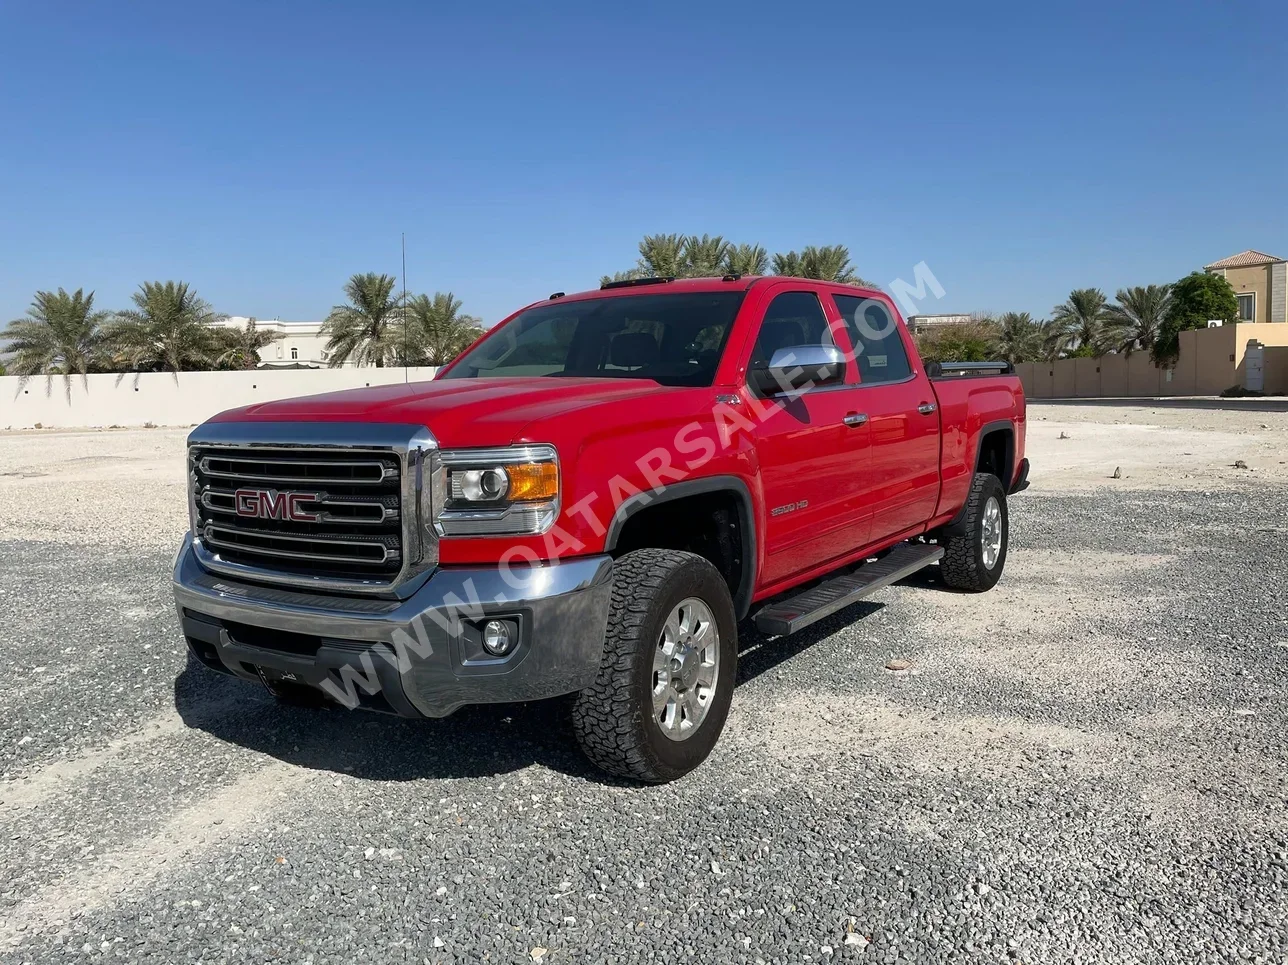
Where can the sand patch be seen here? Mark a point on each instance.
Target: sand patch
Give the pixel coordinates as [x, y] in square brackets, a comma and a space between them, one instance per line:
[125, 873]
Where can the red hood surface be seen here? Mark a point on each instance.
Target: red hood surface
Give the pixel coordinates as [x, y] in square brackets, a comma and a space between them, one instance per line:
[459, 412]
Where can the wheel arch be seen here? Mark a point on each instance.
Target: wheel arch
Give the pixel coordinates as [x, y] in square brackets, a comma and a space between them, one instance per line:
[672, 493]
[995, 449]
[992, 437]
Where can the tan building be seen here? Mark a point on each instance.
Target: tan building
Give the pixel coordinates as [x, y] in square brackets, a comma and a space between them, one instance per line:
[1260, 282]
[302, 344]
[919, 323]
[1246, 355]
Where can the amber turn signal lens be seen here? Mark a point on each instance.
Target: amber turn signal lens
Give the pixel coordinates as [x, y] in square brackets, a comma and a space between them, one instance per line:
[533, 481]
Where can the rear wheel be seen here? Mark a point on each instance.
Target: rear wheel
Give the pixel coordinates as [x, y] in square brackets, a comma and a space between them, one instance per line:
[975, 556]
[666, 681]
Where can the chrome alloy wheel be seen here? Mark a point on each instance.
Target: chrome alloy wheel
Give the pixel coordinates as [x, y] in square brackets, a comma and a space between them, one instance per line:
[990, 536]
[686, 667]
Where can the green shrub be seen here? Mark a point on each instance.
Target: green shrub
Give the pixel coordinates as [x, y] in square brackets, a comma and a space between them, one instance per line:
[965, 342]
[1196, 299]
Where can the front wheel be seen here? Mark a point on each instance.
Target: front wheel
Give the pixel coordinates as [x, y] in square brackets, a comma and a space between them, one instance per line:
[666, 681]
[975, 556]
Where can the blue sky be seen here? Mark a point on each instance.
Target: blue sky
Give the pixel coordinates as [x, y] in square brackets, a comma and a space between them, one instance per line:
[265, 151]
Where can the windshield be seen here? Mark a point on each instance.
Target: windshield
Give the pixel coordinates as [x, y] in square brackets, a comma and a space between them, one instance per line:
[674, 339]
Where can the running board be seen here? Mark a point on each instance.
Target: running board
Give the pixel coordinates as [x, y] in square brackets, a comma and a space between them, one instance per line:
[839, 592]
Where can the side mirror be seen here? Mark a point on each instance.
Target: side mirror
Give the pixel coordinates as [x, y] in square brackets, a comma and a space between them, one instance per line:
[798, 366]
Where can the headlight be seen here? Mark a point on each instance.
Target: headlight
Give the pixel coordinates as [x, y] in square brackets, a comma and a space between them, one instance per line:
[496, 492]
[479, 485]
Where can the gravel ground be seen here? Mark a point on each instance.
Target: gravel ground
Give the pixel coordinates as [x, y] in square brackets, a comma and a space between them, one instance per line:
[1084, 765]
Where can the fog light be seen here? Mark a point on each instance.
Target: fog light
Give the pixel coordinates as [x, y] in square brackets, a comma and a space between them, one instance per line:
[496, 638]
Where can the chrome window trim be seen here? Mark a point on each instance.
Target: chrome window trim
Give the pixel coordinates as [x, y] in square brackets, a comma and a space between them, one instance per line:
[814, 390]
[877, 385]
[413, 445]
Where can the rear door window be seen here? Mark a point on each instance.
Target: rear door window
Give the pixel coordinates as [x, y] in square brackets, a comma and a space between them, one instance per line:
[878, 345]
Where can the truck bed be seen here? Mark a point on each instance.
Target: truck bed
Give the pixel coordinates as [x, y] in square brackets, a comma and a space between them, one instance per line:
[970, 405]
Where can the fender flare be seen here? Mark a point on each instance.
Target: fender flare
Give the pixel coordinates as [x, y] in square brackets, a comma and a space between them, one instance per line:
[698, 487]
[953, 526]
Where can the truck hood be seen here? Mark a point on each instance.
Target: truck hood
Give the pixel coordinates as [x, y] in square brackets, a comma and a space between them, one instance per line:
[459, 412]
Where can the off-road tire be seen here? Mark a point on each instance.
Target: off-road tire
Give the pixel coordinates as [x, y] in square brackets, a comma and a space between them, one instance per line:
[962, 566]
[613, 719]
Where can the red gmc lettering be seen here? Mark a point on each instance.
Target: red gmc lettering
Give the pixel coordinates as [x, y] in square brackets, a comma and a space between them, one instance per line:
[271, 504]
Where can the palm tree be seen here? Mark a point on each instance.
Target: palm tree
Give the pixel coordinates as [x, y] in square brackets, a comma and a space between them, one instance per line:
[678, 256]
[789, 264]
[663, 255]
[1019, 338]
[367, 331]
[705, 256]
[697, 256]
[169, 329]
[239, 348]
[620, 276]
[746, 260]
[437, 332]
[1082, 323]
[1048, 341]
[828, 263]
[61, 335]
[1138, 314]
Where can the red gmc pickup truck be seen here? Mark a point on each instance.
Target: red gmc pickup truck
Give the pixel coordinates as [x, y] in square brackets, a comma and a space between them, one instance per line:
[589, 500]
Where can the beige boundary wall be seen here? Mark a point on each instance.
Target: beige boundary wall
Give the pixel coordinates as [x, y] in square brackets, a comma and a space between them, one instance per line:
[1210, 361]
[164, 399]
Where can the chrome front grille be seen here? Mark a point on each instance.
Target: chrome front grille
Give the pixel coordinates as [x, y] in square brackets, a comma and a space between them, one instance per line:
[281, 468]
[313, 504]
[318, 549]
[360, 510]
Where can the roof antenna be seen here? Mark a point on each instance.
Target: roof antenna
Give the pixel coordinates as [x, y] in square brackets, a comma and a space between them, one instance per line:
[406, 377]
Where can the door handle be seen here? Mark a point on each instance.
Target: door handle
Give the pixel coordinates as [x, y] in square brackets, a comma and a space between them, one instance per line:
[855, 419]
[926, 408]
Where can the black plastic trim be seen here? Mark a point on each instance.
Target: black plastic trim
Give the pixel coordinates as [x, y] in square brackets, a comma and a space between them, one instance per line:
[838, 592]
[636, 282]
[952, 526]
[468, 655]
[700, 487]
[1022, 480]
[969, 370]
[311, 669]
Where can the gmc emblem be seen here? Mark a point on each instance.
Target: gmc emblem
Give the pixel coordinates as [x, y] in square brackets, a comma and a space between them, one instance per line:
[271, 504]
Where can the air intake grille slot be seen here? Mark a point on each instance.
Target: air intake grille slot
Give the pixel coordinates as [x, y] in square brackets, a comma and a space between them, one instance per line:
[307, 512]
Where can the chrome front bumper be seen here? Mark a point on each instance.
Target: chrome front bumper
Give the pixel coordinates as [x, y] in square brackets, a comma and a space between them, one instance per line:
[418, 656]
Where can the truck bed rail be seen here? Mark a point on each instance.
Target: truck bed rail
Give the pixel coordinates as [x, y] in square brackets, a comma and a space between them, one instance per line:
[963, 370]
